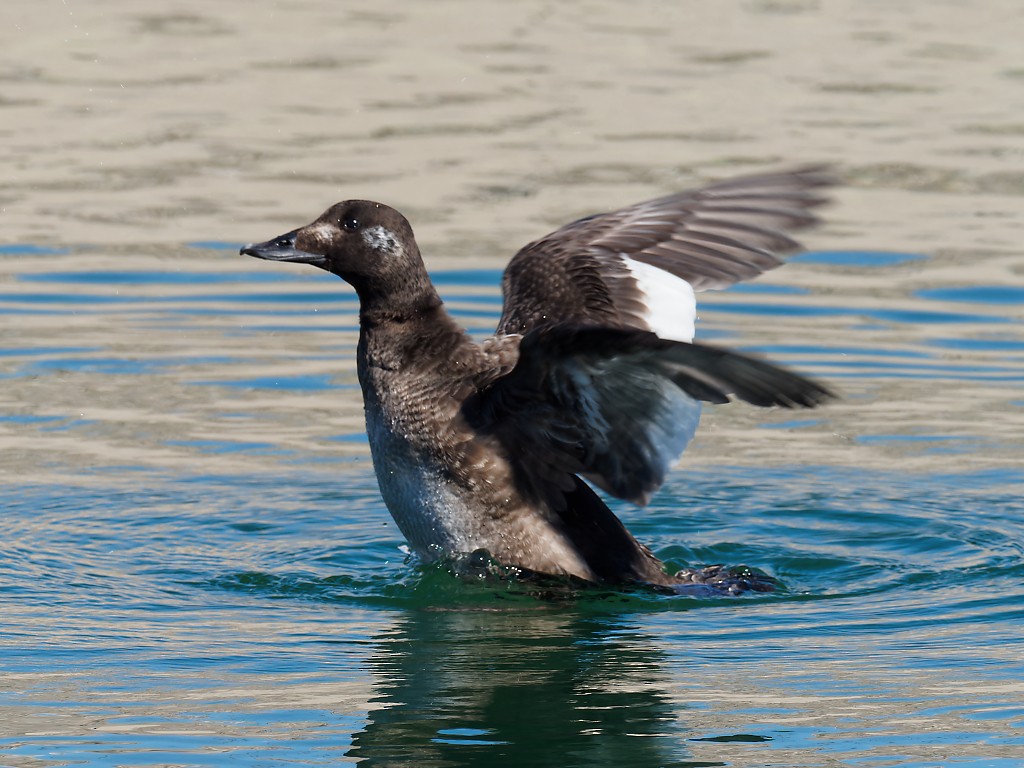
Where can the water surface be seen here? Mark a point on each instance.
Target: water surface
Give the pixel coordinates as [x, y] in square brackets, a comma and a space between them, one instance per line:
[198, 569]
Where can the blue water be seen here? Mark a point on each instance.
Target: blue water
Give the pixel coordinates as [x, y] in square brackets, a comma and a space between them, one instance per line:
[209, 577]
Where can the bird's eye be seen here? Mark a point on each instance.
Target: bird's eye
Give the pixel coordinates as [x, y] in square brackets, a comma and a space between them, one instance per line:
[350, 224]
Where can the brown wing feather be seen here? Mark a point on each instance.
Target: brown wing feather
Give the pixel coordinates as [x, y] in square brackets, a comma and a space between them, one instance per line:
[618, 406]
[711, 237]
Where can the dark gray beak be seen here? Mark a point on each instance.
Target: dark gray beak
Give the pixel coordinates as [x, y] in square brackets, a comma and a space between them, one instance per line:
[282, 248]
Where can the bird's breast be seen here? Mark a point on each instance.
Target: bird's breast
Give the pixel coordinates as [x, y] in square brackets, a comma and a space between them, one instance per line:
[416, 488]
[451, 493]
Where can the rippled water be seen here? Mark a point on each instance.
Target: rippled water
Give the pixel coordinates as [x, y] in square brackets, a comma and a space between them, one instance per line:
[247, 597]
[197, 567]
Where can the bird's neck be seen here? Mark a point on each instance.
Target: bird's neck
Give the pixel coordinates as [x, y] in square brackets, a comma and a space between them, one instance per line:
[415, 335]
[403, 305]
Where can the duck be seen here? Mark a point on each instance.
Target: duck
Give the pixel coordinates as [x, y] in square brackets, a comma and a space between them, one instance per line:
[591, 383]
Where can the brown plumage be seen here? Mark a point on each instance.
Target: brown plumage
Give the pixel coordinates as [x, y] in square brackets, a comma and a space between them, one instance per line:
[590, 373]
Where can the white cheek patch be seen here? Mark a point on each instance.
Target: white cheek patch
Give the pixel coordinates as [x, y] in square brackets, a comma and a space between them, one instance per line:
[671, 308]
[380, 238]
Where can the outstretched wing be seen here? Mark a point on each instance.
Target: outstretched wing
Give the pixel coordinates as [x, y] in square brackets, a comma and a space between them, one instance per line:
[639, 266]
[617, 406]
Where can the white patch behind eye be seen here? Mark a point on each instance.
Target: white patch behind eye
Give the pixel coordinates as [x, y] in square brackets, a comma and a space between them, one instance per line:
[671, 307]
[380, 238]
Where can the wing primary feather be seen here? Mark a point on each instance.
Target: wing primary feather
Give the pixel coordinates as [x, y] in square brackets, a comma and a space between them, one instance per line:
[618, 405]
[710, 237]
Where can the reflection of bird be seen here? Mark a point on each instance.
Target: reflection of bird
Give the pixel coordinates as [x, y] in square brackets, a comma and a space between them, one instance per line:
[591, 372]
[496, 687]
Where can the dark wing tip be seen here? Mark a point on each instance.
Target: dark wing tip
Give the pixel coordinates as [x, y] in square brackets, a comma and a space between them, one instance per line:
[747, 378]
[809, 176]
[703, 371]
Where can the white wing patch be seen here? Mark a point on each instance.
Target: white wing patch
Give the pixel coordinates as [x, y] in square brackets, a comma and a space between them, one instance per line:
[671, 305]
